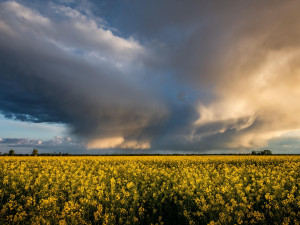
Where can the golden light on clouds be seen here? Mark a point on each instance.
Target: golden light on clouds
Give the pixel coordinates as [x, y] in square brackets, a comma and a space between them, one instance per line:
[260, 103]
[117, 142]
[111, 142]
[223, 76]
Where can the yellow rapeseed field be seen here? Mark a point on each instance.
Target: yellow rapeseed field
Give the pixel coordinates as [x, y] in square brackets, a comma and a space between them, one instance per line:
[150, 190]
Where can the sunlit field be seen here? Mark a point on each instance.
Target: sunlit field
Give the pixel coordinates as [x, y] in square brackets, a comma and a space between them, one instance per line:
[150, 190]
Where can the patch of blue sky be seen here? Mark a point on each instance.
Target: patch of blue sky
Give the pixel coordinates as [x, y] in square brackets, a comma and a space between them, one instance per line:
[19, 129]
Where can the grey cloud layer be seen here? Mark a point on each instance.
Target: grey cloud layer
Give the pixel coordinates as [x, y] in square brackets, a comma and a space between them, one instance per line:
[56, 144]
[162, 75]
[26, 142]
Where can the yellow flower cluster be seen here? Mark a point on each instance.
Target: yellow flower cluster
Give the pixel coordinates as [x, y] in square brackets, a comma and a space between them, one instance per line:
[150, 190]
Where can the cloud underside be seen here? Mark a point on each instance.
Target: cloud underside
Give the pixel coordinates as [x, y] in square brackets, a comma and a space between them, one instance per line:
[223, 76]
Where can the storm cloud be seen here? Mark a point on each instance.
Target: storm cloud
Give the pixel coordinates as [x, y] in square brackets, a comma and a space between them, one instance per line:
[171, 75]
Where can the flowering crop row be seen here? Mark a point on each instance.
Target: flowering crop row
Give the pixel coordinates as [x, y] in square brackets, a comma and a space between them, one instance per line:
[150, 190]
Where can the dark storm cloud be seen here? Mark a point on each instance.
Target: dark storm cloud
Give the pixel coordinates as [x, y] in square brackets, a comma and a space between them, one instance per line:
[192, 75]
[92, 82]
[245, 54]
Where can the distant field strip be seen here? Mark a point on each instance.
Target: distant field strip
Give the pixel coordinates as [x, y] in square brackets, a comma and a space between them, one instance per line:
[150, 190]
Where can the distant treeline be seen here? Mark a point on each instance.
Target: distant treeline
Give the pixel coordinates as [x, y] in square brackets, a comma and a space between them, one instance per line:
[35, 153]
[264, 152]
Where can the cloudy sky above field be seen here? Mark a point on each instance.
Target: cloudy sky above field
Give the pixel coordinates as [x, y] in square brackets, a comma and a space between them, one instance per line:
[150, 76]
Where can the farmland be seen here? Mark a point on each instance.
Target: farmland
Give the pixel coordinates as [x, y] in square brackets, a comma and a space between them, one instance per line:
[150, 190]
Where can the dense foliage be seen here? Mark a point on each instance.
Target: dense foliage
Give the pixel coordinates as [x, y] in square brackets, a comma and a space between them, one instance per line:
[150, 190]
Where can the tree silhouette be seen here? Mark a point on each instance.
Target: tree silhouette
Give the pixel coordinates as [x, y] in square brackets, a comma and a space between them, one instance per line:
[35, 152]
[11, 152]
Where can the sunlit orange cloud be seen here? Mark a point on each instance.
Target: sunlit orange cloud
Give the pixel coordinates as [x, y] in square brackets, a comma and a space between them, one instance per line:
[267, 97]
[133, 144]
[105, 143]
[117, 142]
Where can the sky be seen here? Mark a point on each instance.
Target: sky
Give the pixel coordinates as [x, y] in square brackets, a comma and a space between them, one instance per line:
[149, 76]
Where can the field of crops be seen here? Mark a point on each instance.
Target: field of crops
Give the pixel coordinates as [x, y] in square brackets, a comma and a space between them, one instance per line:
[150, 190]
